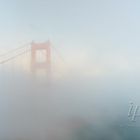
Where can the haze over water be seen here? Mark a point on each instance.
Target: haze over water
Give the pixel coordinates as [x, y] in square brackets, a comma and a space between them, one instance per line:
[71, 106]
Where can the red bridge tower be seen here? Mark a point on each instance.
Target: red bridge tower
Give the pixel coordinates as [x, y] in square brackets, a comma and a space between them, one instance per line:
[45, 48]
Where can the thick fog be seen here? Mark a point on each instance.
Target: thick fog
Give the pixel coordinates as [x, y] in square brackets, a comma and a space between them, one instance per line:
[70, 106]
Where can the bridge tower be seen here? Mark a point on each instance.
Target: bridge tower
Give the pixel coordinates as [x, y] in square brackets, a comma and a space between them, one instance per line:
[45, 48]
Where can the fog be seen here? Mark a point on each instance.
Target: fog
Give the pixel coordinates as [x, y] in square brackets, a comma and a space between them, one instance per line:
[73, 106]
[92, 91]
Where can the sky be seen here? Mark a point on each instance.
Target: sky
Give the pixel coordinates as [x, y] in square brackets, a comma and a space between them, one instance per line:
[73, 23]
[105, 30]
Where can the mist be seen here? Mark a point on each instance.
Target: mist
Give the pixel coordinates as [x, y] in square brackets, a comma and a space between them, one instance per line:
[71, 106]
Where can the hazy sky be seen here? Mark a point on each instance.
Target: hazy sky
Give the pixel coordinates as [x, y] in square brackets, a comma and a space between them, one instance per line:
[73, 23]
[107, 29]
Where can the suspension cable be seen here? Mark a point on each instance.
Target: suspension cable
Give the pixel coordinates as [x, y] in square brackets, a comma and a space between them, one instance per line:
[13, 57]
[14, 50]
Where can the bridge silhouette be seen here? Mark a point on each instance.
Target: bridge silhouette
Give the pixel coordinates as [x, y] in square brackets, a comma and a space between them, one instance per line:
[40, 55]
